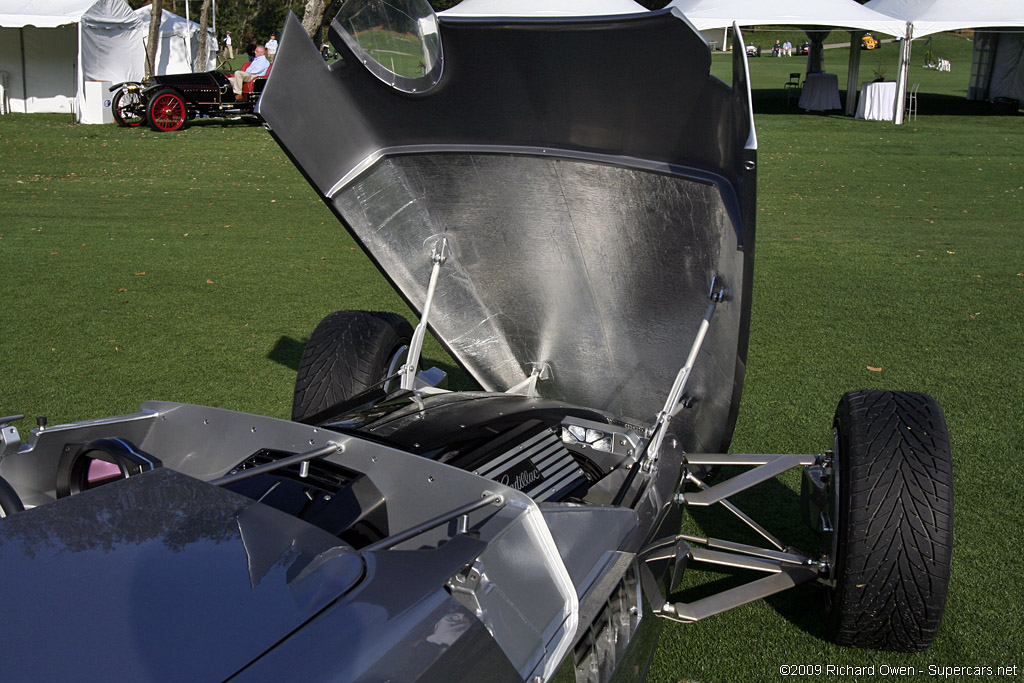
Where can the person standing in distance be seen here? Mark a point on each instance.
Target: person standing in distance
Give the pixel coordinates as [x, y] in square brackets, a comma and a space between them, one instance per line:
[227, 46]
[271, 48]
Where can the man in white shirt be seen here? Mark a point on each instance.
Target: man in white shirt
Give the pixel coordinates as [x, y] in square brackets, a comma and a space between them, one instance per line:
[227, 45]
[272, 48]
[258, 67]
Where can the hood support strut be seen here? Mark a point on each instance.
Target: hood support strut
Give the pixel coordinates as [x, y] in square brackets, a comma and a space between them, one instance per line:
[438, 256]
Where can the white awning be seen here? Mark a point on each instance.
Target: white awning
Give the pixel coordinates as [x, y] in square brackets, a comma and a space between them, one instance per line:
[542, 8]
[709, 14]
[42, 13]
[933, 16]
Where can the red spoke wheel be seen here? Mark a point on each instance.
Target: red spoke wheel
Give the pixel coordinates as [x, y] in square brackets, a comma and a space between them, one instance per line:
[166, 111]
[128, 109]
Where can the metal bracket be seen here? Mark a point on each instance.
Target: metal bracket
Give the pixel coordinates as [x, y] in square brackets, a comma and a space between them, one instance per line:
[10, 440]
[465, 583]
[439, 254]
[528, 387]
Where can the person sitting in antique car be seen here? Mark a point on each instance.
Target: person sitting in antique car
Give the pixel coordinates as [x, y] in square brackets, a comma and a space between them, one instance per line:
[258, 67]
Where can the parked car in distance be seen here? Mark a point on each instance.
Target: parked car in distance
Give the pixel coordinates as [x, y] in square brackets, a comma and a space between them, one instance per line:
[167, 102]
[753, 50]
[869, 42]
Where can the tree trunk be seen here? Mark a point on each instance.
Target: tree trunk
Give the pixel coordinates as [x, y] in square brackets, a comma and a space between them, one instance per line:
[203, 51]
[156, 15]
[313, 17]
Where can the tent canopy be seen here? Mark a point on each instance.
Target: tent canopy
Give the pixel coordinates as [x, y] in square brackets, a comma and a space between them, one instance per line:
[42, 13]
[925, 17]
[179, 43]
[708, 14]
[542, 8]
[49, 50]
[934, 16]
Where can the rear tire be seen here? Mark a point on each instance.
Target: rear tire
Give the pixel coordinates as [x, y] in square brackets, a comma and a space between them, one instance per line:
[349, 352]
[894, 536]
[128, 109]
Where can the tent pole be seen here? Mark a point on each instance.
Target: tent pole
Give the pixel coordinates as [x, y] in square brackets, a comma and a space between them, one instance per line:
[853, 73]
[901, 76]
[24, 78]
[79, 102]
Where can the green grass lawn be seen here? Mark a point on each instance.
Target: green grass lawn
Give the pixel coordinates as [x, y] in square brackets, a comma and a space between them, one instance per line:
[193, 267]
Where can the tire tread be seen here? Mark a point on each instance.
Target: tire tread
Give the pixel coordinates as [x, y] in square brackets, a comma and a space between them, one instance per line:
[344, 356]
[896, 524]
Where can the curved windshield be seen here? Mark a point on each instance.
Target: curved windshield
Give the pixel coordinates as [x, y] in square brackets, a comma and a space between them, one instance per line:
[397, 40]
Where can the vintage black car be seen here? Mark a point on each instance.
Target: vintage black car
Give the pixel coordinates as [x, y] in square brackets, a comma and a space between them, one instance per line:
[168, 101]
[569, 204]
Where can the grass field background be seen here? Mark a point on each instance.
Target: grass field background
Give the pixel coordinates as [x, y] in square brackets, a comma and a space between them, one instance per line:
[193, 267]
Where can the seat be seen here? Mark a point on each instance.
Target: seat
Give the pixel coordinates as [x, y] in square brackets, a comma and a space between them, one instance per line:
[792, 85]
[911, 105]
[248, 86]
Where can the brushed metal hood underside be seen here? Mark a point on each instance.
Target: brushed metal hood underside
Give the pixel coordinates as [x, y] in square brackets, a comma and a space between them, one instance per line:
[591, 180]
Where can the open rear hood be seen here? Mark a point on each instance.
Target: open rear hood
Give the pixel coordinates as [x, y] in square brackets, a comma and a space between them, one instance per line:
[591, 180]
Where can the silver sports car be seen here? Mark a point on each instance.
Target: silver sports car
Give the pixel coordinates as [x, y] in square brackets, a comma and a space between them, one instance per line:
[568, 203]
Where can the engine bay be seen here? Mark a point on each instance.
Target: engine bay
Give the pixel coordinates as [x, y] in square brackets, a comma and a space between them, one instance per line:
[550, 451]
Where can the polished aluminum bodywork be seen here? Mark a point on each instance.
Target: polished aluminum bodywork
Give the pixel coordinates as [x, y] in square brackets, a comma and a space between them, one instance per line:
[587, 210]
[577, 189]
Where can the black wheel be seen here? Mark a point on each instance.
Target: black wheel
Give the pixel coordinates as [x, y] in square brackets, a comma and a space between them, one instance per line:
[10, 503]
[166, 111]
[894, 534]
[128, 109]
[349, 352]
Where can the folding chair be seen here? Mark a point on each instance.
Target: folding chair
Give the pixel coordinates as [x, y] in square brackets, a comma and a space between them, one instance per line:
[792, 85]
[911, 106]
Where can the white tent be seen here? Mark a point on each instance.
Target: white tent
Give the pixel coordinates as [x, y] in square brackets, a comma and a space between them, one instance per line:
[542, 8]
[709, 14]
[50, 49]
[998, 68]
[925, 17]
[179, 43]
[934, 16]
